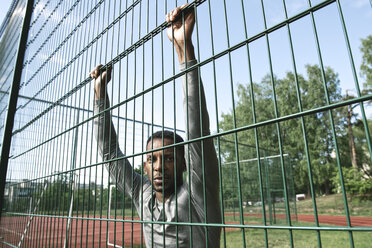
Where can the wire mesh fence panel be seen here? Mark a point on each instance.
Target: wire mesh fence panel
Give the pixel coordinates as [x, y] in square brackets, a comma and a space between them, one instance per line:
[132, 123]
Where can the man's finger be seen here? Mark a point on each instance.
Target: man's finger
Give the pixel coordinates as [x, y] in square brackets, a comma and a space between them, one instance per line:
[95, 72]
[174, 14]
[92, 73]
[98, 67]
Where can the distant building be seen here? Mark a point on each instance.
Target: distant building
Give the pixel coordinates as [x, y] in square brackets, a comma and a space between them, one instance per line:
[16, 191]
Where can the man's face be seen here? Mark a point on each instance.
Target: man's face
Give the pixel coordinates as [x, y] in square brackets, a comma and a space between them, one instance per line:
[160, 165]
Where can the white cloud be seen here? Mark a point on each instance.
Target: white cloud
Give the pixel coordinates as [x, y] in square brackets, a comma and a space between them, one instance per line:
[358, 3]
[296, 6]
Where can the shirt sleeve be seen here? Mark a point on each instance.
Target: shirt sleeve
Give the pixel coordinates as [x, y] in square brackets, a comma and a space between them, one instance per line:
[200, 154]
[120, 170]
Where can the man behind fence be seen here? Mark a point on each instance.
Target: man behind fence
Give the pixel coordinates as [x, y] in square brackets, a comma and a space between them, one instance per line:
[163, 196]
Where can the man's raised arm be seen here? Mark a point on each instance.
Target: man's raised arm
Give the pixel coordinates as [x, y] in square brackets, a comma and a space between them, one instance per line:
[196, 114]
[120, 170]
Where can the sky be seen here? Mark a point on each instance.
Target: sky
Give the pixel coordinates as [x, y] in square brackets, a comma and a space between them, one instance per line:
[358, 19]
[5, 4]
[357, 13]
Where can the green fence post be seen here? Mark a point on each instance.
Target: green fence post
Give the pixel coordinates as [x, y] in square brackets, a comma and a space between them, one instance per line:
[13, 97]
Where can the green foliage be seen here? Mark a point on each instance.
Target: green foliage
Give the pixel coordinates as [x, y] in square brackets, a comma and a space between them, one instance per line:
[358, 179]
[364, 160]
[20, 205]
[366, 66]
[55, 196]
[311, 93]
[354, 182]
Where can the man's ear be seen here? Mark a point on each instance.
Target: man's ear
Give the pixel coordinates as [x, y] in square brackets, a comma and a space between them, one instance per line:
[184, 165]
[144, 168]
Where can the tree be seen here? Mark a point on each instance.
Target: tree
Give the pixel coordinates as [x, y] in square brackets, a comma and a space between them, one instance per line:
[318, 126]
[358, 173]
[363, 153]
[366, 66]
[354, 182]
[357, 179]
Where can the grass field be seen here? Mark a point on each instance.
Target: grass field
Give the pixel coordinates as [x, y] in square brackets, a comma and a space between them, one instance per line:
[326, 205]
[334, 205]
[303, 239]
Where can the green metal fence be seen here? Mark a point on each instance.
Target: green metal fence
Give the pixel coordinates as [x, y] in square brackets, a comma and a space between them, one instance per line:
[288, 89]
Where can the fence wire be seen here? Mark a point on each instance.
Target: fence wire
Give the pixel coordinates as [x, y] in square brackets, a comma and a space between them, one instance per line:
[288, 90]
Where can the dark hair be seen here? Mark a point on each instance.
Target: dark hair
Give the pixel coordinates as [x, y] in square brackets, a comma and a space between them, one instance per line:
[170, 136]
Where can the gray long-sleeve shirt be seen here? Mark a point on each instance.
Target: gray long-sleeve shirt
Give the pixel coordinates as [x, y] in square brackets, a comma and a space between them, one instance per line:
[183, 203]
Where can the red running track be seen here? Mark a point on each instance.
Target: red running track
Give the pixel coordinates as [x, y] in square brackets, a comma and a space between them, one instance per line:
[51, 232]
[356, 221]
